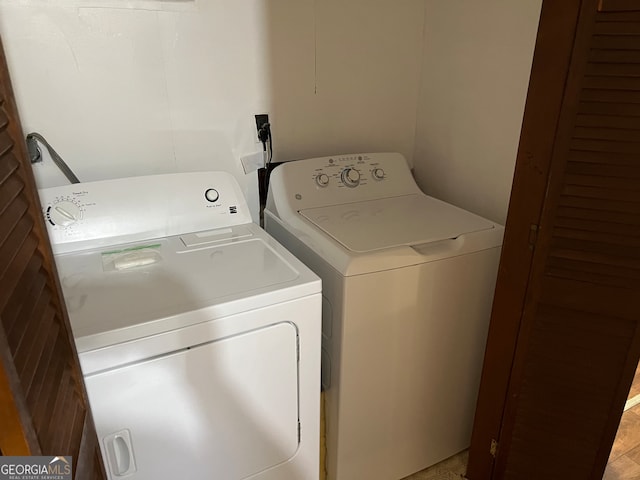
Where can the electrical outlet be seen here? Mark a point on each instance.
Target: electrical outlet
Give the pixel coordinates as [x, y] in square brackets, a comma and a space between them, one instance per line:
[261, 120]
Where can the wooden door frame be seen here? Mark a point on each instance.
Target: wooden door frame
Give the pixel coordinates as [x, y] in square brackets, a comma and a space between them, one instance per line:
[549, 74]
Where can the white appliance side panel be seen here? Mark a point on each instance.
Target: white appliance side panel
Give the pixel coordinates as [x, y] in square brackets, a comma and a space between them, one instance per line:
[224, 409]
[407, 353]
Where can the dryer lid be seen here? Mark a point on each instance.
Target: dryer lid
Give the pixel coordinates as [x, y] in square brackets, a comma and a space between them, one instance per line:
[143, 289]
[390, 222]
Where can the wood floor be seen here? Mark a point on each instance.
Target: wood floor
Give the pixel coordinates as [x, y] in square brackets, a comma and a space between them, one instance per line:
[624, 461]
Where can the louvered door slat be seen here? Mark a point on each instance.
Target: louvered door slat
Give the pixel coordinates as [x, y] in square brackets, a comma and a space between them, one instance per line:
[601, 194]
[593, 235]
[24, 312]
[10, 217]
[64, 413]
[36, 323]
[612, 182]
[630, 7]
[35, 353]
[610, 95]
[15, 248]
[35, 390]
[609, 108]
[4, 120]
[40, 377]
[621, 275]
[585, 298]
[601, 55]
[7, 167]
[44, 403]
[10, 188]
[599, 205]
[13, 299]
[75, 417]
[587, 223]
[600, 133]
[588, 257]
[610, 216]
[599, 169]
[611, 43]
[6, 141]
[623, 28]
[614, 69]
[590, 245]
[611, 121]
[50, 426]
[603, 158]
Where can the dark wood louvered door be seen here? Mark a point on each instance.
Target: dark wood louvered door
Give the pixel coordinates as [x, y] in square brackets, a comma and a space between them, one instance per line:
[43, 403]
[564, 340]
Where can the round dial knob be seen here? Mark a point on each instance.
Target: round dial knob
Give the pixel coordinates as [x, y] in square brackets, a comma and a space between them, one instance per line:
[322, 180]
[64, 213]
[350, 177]
[211, 195]
[378, 173]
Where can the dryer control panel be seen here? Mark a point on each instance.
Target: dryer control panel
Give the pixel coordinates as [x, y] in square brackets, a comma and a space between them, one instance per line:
[340, 179]
[84, 215]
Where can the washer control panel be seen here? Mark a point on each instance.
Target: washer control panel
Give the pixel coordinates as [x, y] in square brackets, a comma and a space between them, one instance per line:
[108, 212]
[349, 171]
[337, 179]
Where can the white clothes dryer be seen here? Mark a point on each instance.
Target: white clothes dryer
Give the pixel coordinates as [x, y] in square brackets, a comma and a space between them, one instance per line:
[198, 334]
[408, 284]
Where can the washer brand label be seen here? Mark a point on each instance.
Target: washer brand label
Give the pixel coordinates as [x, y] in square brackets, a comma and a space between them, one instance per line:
[35, 468]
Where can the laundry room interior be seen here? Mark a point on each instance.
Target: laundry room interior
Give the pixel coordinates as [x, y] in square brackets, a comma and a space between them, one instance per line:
[143, 87]
[125, 88]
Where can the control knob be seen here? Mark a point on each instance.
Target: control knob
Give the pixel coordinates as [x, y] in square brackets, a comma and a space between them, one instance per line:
[350, 177]
[211, 195]
[322, 180]
[377, 173]
[64, 213]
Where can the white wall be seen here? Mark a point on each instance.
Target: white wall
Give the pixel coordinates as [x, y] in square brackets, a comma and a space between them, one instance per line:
[134, 87]
[476, 65]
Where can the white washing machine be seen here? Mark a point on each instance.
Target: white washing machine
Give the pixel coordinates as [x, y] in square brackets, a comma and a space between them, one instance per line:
[408, 283]
[198, 334]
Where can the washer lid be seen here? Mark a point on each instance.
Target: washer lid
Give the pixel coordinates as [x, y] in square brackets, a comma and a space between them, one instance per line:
[391, 222]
